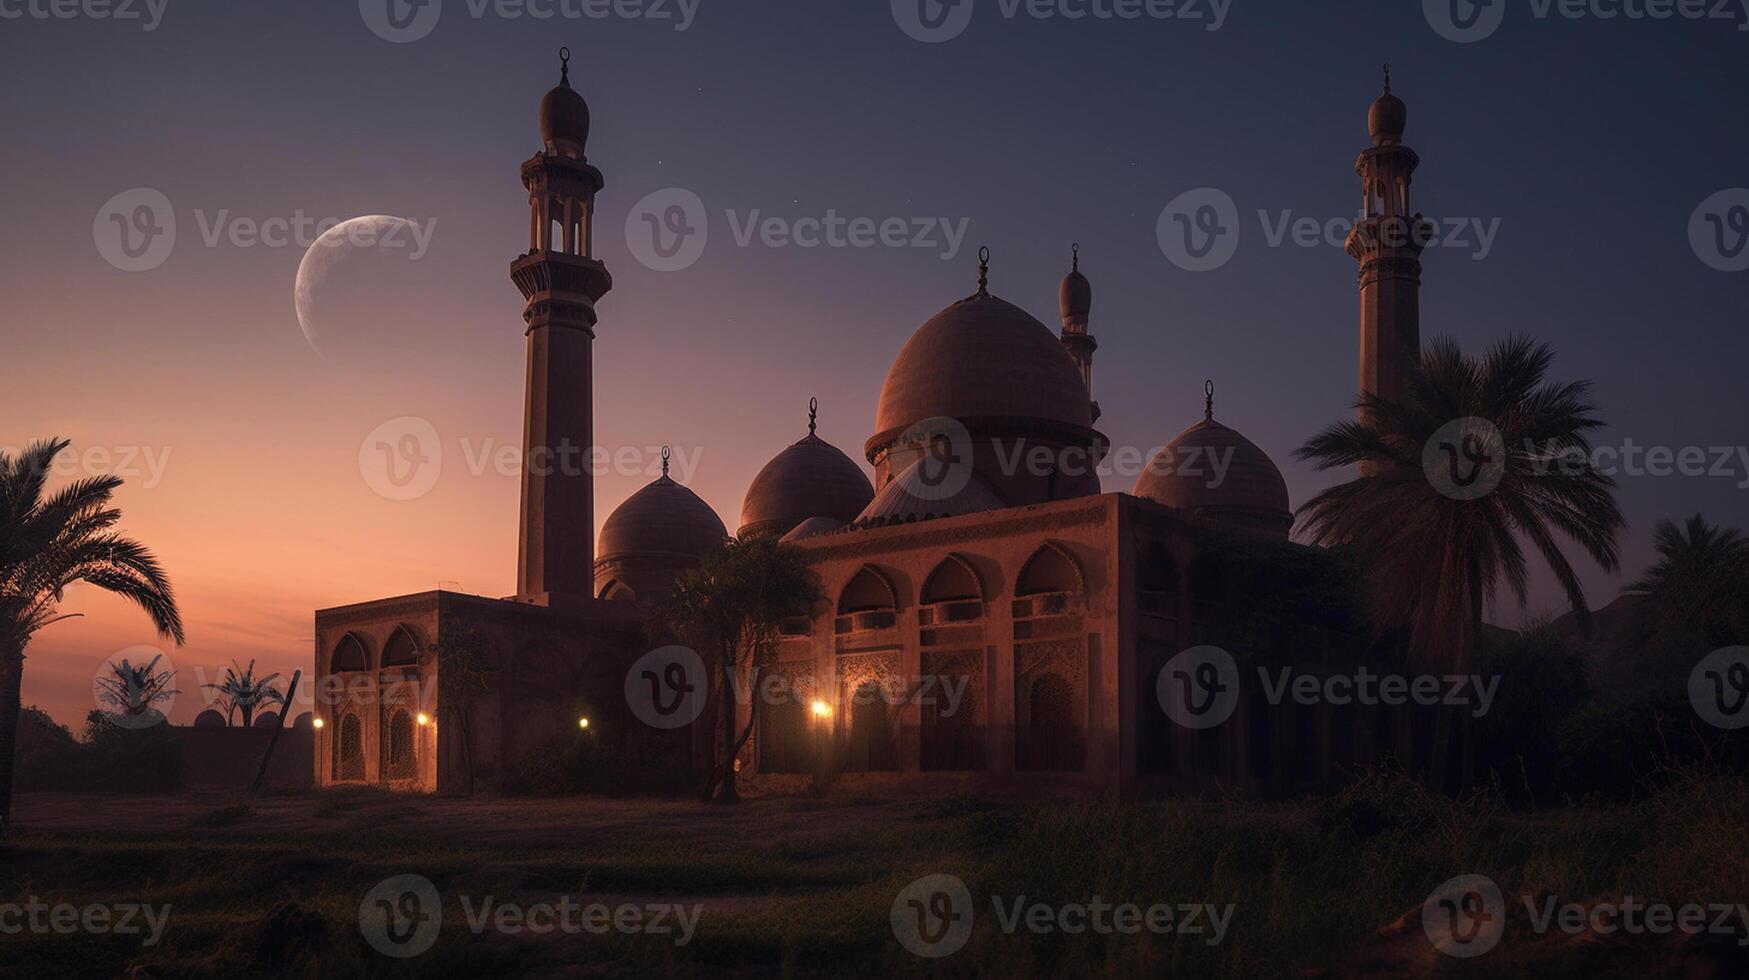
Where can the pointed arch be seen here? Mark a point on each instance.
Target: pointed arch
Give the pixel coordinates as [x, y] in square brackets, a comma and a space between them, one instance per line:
[403, 648]
[350, 654]
[869, 590]
[1052, 568]
[954, 580]
[617, 591]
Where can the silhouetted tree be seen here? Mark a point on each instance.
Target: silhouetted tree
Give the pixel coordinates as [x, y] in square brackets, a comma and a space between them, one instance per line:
[1434, 561]
[731, 608]
[49, 541]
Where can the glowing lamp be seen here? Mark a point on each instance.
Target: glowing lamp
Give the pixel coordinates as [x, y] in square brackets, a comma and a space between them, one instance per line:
[582, 723]
[821, 709]
[318, 723]
[424, 719]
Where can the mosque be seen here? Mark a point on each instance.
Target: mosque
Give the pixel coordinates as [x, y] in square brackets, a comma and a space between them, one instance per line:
[994, 619]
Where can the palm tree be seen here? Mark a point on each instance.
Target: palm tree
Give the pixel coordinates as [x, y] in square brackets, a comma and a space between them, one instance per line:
[1435, 558]
[731, 608]
[49, 541]
[1698, 578]
[242, 691]
[134, 691]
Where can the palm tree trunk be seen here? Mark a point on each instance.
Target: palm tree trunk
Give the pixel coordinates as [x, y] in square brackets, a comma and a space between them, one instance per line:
[726, 732]
[11, 682]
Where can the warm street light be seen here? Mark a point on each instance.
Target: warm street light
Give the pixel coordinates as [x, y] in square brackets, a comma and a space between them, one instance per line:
[582, 723]
[424, 719]
[822, 709]
[318, 723]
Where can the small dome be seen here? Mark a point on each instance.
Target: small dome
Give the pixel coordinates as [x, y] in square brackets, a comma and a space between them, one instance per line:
[267, 719]
[210, 719]
[304, 722]
[1213, 472]
[982, 357]
[1075, 295]
[927, 489]
[813, 527]
[1387, 117]
[663, 520]
[812, 478]
[564, 116]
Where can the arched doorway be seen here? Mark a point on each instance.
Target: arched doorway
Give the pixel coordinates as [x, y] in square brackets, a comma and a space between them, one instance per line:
[871, 745]
[1052, 740]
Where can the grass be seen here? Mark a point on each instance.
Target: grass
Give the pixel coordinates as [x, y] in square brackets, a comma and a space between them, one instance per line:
[805, 887]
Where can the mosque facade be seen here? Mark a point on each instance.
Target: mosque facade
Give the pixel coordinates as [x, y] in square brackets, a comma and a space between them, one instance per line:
[994, 619]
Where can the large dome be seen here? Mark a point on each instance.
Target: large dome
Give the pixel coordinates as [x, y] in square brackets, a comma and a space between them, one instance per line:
[812, 478]
[982, 358]
[1213, 472]
[663, 520]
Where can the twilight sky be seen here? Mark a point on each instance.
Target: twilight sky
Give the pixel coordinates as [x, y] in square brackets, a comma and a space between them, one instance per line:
[1581, 147]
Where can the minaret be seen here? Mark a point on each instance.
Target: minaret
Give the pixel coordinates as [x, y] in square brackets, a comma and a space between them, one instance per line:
[1387, 242]
[1075, 299]
[562, 283]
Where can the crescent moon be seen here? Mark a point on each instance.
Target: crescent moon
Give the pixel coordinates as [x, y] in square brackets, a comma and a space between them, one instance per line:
[327, 250]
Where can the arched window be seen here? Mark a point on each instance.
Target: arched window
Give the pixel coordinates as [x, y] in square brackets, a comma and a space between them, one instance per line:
[349, 654]
[868, 590]
[868, 602]
[349, 750]
[398, 756]
[617, 591]
[401, 650]
[952, 593]
[1050, 569]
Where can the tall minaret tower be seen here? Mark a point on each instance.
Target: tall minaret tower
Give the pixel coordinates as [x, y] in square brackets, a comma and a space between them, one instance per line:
[562, 283]
[1387, 242]
[1075, 299]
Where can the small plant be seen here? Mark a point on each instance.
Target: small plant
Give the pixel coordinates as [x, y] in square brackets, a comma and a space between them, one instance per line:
[134, 691]
[241, 691]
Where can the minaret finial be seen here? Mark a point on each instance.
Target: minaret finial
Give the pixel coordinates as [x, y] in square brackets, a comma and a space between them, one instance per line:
[1387, 76]
[1075, 257]
[565, 66]
[983, 270]
[1208, 400]
[813, 413]
[666, 452]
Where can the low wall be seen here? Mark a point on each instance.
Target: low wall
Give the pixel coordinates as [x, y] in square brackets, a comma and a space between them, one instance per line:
[228, 758]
